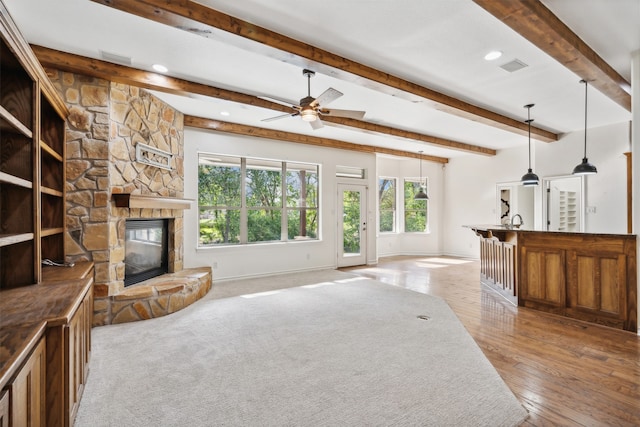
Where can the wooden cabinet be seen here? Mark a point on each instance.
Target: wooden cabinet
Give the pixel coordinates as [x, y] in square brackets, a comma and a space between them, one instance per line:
[22, 402]
[69, 350]
[591, 277]
[32, 171]
[58, 313]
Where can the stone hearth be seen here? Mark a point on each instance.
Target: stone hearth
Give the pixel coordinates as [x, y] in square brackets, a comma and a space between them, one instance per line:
[157, 297]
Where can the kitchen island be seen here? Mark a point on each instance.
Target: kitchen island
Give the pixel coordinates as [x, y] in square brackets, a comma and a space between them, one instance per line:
[587, 276]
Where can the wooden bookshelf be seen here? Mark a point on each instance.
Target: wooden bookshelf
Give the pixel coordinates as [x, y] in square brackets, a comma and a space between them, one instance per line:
[32, 162]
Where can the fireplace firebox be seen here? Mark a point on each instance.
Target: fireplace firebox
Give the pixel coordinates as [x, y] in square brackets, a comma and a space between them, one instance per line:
[146, 248]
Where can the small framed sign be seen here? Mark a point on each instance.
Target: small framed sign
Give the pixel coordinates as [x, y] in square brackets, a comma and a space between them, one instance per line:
[153, 156]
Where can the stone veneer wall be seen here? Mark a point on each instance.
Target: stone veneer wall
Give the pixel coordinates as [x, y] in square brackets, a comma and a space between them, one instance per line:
[106, 121]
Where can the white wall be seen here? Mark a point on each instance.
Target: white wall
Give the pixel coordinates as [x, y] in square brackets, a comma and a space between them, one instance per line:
[264, 259]
[470, 195]
[399, 243]
[607, 190]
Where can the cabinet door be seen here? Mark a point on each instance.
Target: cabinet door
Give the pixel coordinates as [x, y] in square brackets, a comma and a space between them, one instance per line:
[27, 391]
[543, 278]
[597, 287]
[4, 408]
[75, 366]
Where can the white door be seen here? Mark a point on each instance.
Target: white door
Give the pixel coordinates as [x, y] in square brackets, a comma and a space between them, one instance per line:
[352, 225]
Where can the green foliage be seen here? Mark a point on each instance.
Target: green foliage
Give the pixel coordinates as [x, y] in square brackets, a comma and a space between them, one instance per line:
[415, 211]
[219, 226]
[220, 202]
[351, 222]
[387, 204]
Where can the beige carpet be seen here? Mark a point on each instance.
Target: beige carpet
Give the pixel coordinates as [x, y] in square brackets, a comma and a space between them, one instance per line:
[339, 351]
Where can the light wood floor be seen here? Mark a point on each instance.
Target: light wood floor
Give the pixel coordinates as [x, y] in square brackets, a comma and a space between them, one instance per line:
[565, 372]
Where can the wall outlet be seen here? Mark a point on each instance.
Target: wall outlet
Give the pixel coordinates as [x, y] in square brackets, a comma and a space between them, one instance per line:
[591, 209]
[215, 265]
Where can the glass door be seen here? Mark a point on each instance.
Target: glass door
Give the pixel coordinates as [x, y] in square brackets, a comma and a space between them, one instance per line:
[352, 225]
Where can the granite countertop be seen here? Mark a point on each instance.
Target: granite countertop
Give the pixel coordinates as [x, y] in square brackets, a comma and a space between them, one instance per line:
[25, 313]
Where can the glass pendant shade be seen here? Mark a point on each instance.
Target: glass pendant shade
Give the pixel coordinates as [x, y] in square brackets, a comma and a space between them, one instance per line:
[421, 194]
[529, 178]
[585, 168]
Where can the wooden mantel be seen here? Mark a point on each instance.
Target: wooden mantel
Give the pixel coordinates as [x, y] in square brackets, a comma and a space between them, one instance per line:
[150, 202]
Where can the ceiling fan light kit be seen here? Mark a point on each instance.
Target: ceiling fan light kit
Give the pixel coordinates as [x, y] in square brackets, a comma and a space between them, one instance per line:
[310, 109]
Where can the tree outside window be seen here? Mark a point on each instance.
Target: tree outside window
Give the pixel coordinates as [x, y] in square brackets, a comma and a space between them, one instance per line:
[415, 211]
[387, 204]
[219, 200]
[242, 200]
[302, 201]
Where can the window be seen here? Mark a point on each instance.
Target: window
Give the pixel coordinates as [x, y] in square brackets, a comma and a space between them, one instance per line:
[415, 211]
[387, 204]
[302, 201]
[244, 200]
[263, 195]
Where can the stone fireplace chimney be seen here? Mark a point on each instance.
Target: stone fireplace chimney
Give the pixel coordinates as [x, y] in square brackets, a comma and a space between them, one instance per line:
[107, 123]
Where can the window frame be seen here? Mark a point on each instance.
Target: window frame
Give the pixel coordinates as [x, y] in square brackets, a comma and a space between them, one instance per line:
[424, 180]
[244, 208]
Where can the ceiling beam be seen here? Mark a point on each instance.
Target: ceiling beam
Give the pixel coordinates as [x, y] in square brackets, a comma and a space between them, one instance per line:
[240, 129]
[532, 20]
[162, 83]
[198, 19]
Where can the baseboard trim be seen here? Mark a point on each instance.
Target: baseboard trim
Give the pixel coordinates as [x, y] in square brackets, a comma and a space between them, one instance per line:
[275, 273]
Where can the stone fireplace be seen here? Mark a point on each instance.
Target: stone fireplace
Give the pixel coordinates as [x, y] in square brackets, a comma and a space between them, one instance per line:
[125, 162]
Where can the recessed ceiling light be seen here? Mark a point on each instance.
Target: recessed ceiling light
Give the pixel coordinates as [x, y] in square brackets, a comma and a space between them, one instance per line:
[160, 68]
[224, 113]
[494, 54]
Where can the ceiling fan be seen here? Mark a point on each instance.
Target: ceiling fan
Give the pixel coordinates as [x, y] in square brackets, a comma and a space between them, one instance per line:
[311, 109]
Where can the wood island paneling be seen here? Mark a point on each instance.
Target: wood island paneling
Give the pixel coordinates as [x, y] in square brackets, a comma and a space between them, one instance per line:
[586, 276]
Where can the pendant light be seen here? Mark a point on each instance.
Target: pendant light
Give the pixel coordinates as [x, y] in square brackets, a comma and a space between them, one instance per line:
[421, 194]
[529, 178]
[585, 168]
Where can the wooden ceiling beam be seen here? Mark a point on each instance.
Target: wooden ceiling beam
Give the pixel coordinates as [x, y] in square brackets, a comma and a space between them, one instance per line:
[536, 23]
[162, 83]
[240, 129]
[201, 20]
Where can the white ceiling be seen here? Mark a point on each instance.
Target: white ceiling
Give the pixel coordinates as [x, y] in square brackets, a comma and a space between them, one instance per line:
[439, 44]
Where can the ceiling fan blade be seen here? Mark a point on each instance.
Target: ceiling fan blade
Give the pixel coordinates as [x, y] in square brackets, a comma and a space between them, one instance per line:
[350, 114]
[326, 97]
[316, 124]
[280, 101]
[282, 116]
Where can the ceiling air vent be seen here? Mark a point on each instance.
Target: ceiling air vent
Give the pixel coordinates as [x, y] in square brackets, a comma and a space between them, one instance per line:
[112, 57]
[514, 65]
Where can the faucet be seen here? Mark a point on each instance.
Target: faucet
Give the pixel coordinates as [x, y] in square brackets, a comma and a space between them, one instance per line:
[517, 225]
